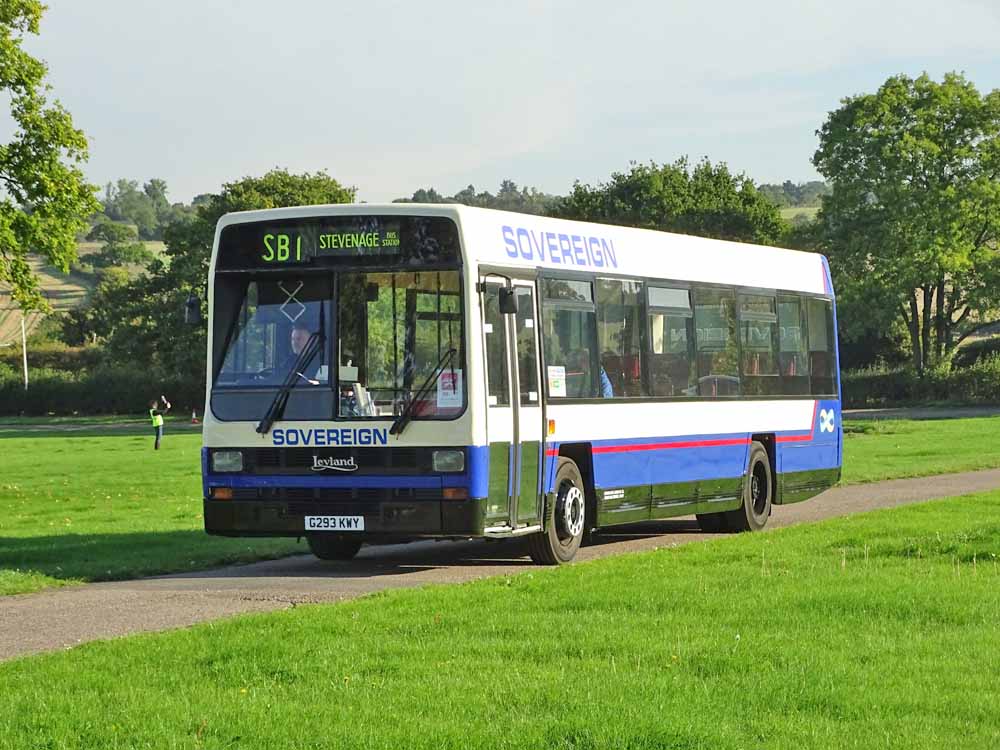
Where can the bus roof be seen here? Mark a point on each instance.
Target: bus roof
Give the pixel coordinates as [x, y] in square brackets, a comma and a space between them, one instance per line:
[506, 239]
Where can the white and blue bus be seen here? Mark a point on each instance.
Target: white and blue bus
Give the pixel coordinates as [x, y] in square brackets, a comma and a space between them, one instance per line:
[382, 373]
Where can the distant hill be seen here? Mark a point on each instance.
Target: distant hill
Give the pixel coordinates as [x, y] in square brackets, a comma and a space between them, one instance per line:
[64, 291]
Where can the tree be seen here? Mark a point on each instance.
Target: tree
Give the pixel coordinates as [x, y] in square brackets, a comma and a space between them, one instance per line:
[44, 199]
[121, 246]
[150, 327]
[125, 202]
[509, 198]
[915, 207]
[708, 201]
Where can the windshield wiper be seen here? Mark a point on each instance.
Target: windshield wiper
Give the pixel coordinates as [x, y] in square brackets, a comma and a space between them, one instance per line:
[277, 407]
[404, 418]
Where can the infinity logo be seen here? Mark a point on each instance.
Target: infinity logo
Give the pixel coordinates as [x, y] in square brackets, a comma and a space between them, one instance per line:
[826, 420]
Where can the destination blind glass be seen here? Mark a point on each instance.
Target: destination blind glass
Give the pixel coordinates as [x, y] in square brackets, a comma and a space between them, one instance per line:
[340, 240]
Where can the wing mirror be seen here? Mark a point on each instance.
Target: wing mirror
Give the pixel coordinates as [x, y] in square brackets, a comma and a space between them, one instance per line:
[192, 310]
[508, 301]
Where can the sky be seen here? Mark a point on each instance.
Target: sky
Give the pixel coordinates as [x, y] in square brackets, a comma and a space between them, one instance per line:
[389, 97]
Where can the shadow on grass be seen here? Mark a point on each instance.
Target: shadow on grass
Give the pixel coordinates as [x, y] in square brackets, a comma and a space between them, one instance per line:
[194, 554]
[111, 557]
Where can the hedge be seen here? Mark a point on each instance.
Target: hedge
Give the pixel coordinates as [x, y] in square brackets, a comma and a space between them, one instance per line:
[977, 384]
[53, 357]
[100, 391]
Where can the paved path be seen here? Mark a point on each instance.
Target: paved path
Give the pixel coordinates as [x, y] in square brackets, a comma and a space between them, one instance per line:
[63, 618]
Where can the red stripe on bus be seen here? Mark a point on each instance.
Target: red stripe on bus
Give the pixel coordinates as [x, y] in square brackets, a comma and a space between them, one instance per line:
[659, 446]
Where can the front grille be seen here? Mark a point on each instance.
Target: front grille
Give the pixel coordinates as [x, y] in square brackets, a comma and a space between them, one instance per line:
[368, 460]
[327, 497]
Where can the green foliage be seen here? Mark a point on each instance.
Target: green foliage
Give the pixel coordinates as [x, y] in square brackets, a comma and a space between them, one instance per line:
[52, 355]
[791, 194]
[973, 351]
[509, 197]
[103, 390]
[147, 209]
[708, 201]
[121, 246]
[44, 199]
[873, 387]
[97, 321]
[912, 223]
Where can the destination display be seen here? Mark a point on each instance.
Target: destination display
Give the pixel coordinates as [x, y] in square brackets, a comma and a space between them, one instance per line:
[300, 244]
[330, 241]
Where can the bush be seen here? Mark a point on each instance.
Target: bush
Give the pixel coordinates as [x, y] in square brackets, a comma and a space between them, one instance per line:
[976, 384]
[974, 351]
[100, 391]
[53, 356]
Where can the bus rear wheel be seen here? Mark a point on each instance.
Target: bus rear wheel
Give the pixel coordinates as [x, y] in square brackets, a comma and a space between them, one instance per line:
[333, 546]
[758, 491]
[565, 519]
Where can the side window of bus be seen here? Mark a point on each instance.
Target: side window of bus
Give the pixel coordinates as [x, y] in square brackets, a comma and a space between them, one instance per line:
[619, 336]
[672, 367]
[715, 334]
[570, 339]
[793, 350]
[498, 391]
[759, 345]
[527, 359]
[821, 354]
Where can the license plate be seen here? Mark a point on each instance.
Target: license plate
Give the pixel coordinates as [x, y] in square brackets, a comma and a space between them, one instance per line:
[335, 523]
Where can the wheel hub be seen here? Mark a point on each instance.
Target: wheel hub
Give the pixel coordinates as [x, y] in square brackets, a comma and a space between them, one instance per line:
[759, 489]
[570, 513]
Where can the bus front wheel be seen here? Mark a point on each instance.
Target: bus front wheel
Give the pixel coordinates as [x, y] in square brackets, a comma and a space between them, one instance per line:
[758, 491]
[333, 546]
[565, 519]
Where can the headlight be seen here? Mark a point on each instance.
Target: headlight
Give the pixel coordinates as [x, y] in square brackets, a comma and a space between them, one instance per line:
[448, 460]
[227, 461]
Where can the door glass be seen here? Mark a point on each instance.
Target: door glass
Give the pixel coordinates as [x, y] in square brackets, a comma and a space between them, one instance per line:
[527, 365]
[496, 348]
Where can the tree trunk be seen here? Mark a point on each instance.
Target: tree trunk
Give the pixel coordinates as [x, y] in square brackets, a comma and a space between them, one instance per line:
[913, 326]
[941, 342]
[925, 333]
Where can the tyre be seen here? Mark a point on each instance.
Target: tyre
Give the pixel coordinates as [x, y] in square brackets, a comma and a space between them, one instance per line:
[758, 491]
[712, 523]
[565, 519]
[333, 546]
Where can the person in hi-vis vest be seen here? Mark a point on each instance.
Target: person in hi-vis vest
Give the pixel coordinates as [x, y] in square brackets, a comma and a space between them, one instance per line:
[156, 414]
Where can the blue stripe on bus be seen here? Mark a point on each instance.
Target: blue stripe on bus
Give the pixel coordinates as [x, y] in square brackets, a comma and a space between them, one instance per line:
[475, 477]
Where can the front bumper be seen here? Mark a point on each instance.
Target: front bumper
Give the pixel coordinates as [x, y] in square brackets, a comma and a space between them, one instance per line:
[383, 518]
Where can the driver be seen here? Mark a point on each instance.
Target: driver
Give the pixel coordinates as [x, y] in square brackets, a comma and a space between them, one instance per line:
[299, 337]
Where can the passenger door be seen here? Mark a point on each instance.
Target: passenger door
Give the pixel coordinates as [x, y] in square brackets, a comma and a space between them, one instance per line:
[514, 419]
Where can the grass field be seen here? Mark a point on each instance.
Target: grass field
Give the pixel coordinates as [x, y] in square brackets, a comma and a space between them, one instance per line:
[93, 504]
[790, 213]
[891, 449]
[875, 631]
[105, 507]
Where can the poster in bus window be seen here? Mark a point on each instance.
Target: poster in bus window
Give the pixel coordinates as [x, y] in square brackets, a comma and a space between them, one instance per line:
[557, 381]
[449, 389]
